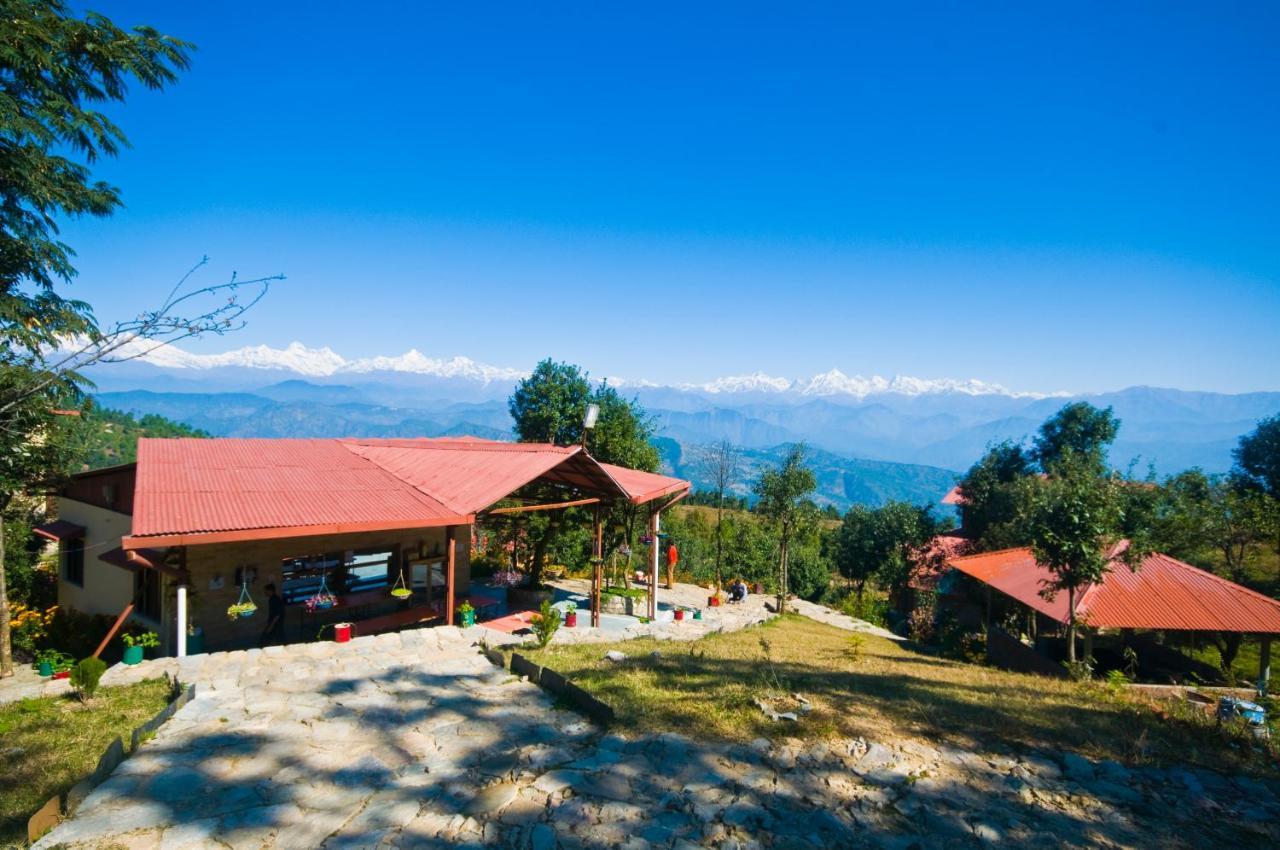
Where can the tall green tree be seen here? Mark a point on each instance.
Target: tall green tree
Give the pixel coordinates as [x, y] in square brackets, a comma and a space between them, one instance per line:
[549, 406]
[721, 462]
[1079, 432]
[779, 492]
[56, 71]
[991, 492]
[882, 543]
[1257, 468]
[1075, 518]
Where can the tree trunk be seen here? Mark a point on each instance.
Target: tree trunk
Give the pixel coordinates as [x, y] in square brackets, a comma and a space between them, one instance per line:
[1071, 624]
[720, 543]
[6, 651]
[782, 572]
[1228, 645]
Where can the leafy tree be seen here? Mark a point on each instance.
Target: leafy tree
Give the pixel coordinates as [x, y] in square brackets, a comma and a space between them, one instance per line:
[991, 491]
[780, 491]
[1075, 519]
[38, 451]
[882, 543]
[55, 70]
[721, 463]
[1258, 457]
[1200, 512]
[110, 437]
[1078, 431]
[548, 406]
[1258, 467]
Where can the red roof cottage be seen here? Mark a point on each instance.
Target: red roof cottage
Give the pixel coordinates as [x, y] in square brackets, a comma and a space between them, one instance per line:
[195, 525]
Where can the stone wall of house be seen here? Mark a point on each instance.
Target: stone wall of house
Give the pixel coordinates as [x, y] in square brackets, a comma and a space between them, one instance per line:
[213, 570]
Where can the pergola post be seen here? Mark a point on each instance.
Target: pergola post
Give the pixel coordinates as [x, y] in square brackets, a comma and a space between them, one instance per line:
[451, 561]
[655, 525]
[1088, 645]
[1264, 665]
[597, 567]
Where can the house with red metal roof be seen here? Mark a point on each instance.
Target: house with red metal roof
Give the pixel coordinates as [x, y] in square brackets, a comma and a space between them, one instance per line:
[197, 526]
[1161, 595]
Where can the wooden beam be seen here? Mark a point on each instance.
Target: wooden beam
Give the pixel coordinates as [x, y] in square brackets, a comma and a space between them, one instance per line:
[124, 615]
[597, 566]
[450, 535]
[524, 509]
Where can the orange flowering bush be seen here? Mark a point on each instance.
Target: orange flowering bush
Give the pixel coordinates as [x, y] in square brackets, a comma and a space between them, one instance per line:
[30, 625]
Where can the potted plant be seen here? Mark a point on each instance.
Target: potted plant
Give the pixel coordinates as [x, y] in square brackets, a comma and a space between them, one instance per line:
[679, 613]
[51, 661]
[713, 601]
[241, 609]
[467, 614]
[195, 639]
[571, 615]
[135, 644]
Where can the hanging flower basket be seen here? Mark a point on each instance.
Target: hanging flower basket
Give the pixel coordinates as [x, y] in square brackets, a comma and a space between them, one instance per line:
[400, 590]
[322, 601]
[241, 609]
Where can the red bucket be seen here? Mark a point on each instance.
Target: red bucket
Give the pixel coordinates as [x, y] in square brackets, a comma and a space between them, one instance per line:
[341, 632]
[713, 601]
[679, 613]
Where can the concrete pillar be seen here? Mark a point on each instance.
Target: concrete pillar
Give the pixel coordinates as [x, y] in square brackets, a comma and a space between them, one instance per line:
[182, 621]
[1264, 666]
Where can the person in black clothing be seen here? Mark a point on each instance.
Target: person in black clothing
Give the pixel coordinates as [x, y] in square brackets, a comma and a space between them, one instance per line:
[274, 633]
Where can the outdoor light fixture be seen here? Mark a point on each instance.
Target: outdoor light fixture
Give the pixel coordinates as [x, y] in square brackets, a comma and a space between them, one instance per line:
[589, 421]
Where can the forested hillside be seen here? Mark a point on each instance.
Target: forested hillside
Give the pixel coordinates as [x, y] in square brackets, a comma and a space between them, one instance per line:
[110, 437]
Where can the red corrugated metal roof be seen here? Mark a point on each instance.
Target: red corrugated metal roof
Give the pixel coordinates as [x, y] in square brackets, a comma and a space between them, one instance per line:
[953, 497]
[1164, 593]
[191, 485]
[219, 487]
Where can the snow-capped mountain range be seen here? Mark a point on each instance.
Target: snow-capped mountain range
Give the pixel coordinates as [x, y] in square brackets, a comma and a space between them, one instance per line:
[324, 362]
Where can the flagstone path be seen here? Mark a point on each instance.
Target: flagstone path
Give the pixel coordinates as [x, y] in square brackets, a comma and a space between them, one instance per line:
[416, 740]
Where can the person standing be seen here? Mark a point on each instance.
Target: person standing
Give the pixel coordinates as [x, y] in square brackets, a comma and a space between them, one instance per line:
[274, 632]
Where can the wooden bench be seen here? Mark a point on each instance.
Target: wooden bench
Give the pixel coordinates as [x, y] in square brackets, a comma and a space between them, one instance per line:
[395, 620]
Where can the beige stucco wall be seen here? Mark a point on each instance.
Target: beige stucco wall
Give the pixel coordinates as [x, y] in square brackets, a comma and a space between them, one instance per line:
[206, 563]
[107, 589]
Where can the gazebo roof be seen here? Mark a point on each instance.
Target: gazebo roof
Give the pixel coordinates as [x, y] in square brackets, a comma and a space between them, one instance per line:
[191, 491]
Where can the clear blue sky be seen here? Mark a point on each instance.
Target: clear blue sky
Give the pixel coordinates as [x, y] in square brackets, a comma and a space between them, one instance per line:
[1050, 198]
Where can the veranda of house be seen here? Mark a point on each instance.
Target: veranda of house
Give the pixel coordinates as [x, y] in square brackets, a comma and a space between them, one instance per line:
[197, 526]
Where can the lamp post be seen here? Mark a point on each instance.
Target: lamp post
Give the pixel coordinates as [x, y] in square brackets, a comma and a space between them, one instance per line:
[589, 421]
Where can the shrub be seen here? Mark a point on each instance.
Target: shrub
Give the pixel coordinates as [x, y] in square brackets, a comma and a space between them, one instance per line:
[1078, 671]
[86, 675]
[920, 625]
[870, 608]
[545, 623]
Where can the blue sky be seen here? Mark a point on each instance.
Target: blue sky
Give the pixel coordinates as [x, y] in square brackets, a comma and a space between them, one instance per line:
[1048, 198]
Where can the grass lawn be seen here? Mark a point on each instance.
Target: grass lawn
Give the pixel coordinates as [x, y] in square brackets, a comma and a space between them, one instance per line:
[872, 687]
[51, 743]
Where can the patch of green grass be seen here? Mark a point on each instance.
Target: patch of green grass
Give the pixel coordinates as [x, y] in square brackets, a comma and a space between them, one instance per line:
[631, 592]
[882, 689]
[51, 743]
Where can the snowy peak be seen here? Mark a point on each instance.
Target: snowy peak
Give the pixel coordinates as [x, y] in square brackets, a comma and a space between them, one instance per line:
[756, 382]
[325, 362]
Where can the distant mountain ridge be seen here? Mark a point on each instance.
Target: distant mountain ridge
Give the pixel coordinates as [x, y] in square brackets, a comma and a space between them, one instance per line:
[943, 424]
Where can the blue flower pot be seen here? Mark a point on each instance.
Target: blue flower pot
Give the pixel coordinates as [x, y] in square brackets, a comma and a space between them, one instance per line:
[133, 655]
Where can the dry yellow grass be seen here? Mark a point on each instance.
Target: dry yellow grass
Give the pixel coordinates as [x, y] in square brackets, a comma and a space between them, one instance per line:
[869, 686]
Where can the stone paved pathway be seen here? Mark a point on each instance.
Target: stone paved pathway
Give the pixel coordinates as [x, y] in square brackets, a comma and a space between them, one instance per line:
[414, 740]
[25, 683]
